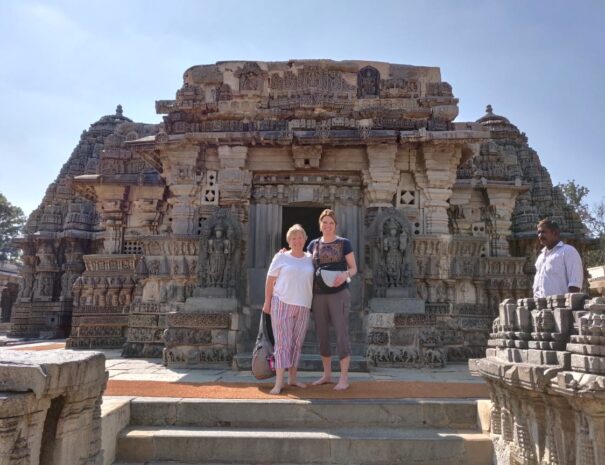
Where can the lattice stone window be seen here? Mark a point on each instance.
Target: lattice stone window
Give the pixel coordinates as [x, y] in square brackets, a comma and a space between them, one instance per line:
[210, 189]
[132, 248]
[407, 198]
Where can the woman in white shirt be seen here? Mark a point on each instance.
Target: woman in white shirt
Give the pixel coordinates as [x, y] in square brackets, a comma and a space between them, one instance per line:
[288, 297]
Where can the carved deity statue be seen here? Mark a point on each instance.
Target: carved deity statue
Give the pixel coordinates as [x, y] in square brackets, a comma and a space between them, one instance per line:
[218, 249]
[219, 255]
[394, 246]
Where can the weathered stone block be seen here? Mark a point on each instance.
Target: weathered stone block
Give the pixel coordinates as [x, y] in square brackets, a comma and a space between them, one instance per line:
[211, 304]
[187, 336]
[378, 338]
[397, 305]
[198, 320]
[143, 320]
[413, 320]
[381, 320]
[48, 373]
[220, 337]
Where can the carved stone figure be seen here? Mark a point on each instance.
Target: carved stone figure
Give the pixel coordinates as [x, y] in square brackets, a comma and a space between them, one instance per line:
[219, 258]
[218, 250]
[368, 82]
[394, 245]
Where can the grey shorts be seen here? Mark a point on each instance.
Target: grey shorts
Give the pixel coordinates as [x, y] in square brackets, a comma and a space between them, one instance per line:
[332, 309]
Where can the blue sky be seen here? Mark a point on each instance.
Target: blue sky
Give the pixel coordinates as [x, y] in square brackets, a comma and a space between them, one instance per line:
[66, 63]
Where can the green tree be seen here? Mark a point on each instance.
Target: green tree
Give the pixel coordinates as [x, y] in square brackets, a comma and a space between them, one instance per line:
[592, 217]
[575, 194]
[11, 222]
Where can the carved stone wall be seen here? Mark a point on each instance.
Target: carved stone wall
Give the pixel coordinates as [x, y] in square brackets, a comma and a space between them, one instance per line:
[50, 407]
[546, 372]
[102, 297]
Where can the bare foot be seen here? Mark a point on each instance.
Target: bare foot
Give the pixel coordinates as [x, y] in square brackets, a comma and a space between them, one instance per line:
[298, 384]
[341, 386]
[323, 380]
[276, 389]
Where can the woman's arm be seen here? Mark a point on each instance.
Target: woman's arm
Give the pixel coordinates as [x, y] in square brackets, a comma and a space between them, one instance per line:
[269, 285]
[351, 270]
[351, 265]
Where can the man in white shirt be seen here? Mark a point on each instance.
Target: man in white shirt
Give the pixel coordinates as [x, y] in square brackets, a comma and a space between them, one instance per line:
[559, 266]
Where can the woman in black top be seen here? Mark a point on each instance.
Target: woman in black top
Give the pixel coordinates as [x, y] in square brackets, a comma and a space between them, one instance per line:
[331, 305]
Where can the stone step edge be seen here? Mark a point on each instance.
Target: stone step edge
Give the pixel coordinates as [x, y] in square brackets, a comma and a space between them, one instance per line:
[406, 401]
[360, 433]
[301, 413]
[149, 444]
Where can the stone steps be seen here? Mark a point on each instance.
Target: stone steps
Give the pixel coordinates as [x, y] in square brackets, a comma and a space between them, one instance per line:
[396, 413]
[379, 446]
[296, 432]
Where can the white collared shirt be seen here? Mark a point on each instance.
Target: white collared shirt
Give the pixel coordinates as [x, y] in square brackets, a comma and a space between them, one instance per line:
[557, 270]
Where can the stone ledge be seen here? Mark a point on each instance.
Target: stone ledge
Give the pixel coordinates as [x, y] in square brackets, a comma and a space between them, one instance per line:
[50, 373]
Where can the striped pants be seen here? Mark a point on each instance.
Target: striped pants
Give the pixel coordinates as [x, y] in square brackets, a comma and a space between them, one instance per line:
[289, 324]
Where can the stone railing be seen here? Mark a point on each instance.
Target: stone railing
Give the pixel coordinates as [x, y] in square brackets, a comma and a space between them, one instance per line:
[545, 367]
[50, 407]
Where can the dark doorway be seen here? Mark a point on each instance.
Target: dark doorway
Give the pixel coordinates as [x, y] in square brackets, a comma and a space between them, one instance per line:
[307, 217]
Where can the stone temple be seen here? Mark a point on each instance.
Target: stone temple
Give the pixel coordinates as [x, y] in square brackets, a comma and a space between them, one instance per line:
[157, 238]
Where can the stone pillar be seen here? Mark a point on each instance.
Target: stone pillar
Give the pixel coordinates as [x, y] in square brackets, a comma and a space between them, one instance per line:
[382, 177]
[112, 211]
[502, 202]
[233, 179]
[50, 407]
[436, 179]
[46, 270]
[180, 172]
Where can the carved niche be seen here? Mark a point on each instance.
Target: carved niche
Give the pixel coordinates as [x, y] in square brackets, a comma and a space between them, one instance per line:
[391, 252]
[250, 77]
[220, 252]
[368, 82]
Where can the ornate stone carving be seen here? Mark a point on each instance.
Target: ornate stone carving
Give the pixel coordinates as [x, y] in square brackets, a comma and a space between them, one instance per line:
[220, 252]
[368, 82]
[546, 408]
[392, 252]
[251, 77]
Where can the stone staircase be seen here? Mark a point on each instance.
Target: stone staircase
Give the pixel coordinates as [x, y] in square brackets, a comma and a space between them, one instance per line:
[287, 431]
[310, 358]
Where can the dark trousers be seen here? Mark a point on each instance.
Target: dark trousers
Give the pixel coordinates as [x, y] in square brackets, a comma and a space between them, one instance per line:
[332, 309]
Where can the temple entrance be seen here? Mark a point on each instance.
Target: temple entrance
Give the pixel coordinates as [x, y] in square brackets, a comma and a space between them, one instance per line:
[307, 217]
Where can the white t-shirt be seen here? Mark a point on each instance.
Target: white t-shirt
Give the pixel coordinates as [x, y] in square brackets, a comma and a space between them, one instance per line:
[294, 284]
[557, 270]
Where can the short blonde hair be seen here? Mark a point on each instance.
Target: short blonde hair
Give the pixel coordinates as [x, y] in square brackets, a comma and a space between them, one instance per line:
[327, 212]
[297, 228]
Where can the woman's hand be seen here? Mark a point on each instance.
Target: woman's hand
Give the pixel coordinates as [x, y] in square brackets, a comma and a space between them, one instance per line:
[340, 279]
[267, 308]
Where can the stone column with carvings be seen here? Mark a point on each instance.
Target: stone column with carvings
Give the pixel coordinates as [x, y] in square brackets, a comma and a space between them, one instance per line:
[436, 178]
[382, 177]
[233, 178]
[113, 206]
[180, 172]
[502, 201]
